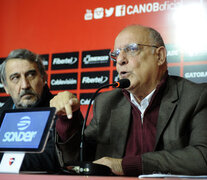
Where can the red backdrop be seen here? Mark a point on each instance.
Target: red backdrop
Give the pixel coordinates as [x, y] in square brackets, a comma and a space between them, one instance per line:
[52, 27]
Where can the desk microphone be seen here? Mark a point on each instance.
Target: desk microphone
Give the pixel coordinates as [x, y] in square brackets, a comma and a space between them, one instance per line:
[122, 83]
[89, 168]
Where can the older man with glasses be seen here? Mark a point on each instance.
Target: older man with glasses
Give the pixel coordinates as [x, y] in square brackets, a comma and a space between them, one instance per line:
[156, 125]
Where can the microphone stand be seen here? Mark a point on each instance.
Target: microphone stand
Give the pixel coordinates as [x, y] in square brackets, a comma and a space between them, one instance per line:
[89, 168]
[86, 117]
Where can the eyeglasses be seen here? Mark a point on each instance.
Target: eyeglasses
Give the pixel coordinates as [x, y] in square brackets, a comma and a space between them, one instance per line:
[130, 50]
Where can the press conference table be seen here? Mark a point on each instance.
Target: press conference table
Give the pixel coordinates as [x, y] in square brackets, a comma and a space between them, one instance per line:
[59, 177]
[71, 177]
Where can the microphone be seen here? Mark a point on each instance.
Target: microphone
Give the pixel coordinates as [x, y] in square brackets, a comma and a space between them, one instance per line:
[122, 83]
[89, 168]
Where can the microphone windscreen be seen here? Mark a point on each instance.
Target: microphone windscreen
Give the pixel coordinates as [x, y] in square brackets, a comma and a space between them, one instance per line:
[123, 83]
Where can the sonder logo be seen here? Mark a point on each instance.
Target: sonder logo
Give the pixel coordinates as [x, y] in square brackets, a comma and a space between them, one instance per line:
[24, 123]
[20, 136]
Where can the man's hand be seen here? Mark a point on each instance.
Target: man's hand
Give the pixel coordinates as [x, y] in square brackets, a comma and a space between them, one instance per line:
[65, 103]
[113, 163]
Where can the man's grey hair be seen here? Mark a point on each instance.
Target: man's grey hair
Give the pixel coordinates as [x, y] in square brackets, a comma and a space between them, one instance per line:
[22, 54]
[156, 37]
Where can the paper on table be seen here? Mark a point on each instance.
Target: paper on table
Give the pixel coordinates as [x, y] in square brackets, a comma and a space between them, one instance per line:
[172, 176]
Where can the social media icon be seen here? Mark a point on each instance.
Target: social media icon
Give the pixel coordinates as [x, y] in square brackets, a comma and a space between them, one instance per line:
[109, 12]
[88, 15]
[98, 13]
[120, 10]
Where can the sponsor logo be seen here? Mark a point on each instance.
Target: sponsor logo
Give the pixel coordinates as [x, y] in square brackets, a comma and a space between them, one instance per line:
[45, 63]
[57, 82]
[63, 81]
[116, 78]
[90, 80]
[173, 53]
[93, 80]
[11, 161]
[199, 56]
[71, 60]
[84, 101]
[86, 98]
[97, 58]
[20, 136]
[24, 123]
[196, 73]
[124, 10]
[45, 59]
[65, 60]
[202, 74]
[88, 59]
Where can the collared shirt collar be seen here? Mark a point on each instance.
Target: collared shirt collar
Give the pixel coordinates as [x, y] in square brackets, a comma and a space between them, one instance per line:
[143, 104]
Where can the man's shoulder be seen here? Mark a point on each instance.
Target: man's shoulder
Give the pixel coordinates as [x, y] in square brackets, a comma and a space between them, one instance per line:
[185, 88]
[185, 83]
[7, 105]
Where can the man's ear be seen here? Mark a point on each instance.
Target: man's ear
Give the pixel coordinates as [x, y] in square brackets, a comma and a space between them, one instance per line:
[162, 54]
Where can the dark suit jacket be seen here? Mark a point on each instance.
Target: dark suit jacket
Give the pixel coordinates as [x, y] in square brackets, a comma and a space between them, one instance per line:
[181, 138]
[48, 160]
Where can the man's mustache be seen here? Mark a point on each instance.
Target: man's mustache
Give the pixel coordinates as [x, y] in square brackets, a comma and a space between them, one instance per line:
[25, 92]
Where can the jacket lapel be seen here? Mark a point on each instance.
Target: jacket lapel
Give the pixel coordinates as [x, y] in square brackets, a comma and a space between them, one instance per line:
[167, 107]
[120, 123]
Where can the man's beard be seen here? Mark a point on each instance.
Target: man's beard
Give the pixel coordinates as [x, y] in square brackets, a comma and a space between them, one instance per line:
[30, 102]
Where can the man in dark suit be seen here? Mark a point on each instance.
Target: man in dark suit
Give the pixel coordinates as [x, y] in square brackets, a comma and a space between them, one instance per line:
[24, 79]
[156, 125]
